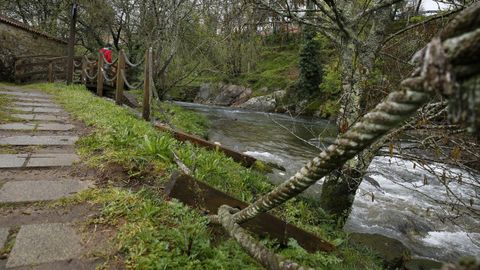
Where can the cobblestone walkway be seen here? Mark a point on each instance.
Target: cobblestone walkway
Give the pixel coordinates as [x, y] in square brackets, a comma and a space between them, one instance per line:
[38, 163]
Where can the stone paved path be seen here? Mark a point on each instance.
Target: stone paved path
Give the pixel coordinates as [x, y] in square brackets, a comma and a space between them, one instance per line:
[39, 164]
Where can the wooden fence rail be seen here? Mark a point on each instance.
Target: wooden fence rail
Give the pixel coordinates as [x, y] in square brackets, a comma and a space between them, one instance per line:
[40, 67]
[100, 74]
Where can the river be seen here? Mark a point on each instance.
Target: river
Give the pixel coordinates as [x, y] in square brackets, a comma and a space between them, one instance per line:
[406, 201]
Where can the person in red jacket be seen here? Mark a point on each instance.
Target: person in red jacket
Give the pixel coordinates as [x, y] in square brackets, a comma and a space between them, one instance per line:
[107, 53]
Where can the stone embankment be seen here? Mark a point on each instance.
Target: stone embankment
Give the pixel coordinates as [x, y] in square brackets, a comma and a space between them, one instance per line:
[238, 96]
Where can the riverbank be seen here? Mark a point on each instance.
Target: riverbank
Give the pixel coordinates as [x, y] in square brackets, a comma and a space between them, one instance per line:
[393, 201]
[136, 161]
[323, 105]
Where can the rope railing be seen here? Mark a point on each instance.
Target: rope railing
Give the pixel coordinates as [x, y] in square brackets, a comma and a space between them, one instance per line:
[91, 77]
[131, 64]
[106, 78]
[89, 61]
[130, 86]
[105, 62]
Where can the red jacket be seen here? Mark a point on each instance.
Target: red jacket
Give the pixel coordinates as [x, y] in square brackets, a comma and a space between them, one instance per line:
[107, 54]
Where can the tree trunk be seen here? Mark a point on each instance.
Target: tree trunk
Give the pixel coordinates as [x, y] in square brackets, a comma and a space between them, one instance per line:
[339, 188]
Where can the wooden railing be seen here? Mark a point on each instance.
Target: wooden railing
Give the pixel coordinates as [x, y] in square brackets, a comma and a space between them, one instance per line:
[99, 73]
[39, 67]
[95, 73]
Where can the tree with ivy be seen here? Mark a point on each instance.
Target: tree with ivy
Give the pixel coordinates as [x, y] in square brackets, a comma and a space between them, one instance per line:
[310, 68]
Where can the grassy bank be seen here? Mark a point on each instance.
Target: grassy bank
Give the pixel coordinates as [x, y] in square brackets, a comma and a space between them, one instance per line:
[154, 233]
[5, 111]
[176, 117]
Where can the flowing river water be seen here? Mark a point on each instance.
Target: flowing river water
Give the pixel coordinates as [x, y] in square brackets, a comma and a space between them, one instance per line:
[402, 200]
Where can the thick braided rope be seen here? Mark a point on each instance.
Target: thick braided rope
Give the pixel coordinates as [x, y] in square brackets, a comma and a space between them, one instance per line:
[89, 61]
[269, 259]
[398, 106]
[91, 77]
[132, 64]
[130, 86]
[105, 76]
[105, 62]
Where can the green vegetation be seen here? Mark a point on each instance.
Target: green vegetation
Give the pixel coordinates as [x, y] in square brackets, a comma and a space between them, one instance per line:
[159, 234]
[276, 68]
[155, 234]
[310, 69]
[177, 117]
[5, 112]
[10, 241]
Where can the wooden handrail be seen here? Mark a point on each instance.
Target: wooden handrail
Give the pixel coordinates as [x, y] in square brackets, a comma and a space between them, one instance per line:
[100, 75]
[147, 87]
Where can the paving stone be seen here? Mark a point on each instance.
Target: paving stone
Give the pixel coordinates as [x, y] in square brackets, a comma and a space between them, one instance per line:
[28, 116]
[44, 243]
[44, 117]
[46, 110]
[51, 160]
[37, 126]
[16, 161]
[23, 94]
[36, 109]
[22, 109]
[18, 126]
[38, 140]
[54, 126]
[33, 191]
[12, 160]
[33, 99]
[36, 104]
[3, 236]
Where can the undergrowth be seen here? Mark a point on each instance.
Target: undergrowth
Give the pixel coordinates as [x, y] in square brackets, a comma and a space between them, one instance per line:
[167, 235]
[176, 117]
[5, 111]
[276, 68]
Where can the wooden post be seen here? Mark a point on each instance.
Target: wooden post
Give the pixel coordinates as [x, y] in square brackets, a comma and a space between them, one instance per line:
[50, 72]
[71, 43]
[100, 75]
[147, 87]
[84, 70]
[120, 81]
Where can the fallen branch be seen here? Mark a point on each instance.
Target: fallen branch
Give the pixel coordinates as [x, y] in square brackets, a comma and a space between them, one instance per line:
[180, 164]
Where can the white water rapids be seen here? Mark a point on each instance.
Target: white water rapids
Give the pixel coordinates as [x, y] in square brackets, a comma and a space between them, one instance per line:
[403, 201]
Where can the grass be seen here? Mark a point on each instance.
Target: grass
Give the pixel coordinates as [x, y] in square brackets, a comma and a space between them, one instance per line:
[154, 233]
[177, 117]
[158, 234]
[276, 69]
[5, 112]
[10, 242]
